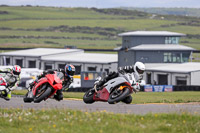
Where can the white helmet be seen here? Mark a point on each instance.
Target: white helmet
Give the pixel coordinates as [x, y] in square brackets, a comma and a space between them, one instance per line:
[139, 69]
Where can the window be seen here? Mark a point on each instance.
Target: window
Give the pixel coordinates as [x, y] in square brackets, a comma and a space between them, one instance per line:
[7, 61]
[19, 62]
[61, 66]
[48, 66]
[181, 81]
[90, 76]
[92, 68]
[173, 57]
[167, 57]
[171, 40]
[78, 69]
[32, 64]
[185, 57]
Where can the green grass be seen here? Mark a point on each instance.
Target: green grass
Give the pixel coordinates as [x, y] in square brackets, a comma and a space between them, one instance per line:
[64, 120]
[36, 21]
[144, 97]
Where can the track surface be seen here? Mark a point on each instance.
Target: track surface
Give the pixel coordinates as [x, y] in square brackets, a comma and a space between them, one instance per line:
[17, 102]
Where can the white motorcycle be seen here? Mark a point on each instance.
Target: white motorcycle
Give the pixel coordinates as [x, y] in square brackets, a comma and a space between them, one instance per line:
[114, 90]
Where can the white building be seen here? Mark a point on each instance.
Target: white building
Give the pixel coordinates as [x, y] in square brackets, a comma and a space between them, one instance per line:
[52, 58]
[173, 74]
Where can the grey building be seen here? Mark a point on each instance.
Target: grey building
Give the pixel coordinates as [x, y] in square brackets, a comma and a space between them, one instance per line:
[152, 47]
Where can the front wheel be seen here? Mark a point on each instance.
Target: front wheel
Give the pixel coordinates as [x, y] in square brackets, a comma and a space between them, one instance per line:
[44, 92]
[118, 95]
[88, 97]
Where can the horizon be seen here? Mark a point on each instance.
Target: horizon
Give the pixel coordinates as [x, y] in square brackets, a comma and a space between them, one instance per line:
[106, 3]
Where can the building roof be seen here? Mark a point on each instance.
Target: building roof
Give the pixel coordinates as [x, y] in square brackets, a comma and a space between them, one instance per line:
[151, 33]
[179, 68]
[37, 52]
[84, 58]
[146, 47]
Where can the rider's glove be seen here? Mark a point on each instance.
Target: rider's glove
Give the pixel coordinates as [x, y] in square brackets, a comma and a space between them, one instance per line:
[136, 87]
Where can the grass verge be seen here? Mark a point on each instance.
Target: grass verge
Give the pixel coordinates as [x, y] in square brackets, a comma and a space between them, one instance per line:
[62, 121]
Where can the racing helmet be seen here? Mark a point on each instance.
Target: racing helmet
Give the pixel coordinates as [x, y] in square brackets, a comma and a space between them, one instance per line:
[139, 69]
[69, 70]
[16, 70]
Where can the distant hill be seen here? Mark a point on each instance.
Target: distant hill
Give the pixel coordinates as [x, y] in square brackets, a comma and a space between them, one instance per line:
[195, 12]
[88, 28]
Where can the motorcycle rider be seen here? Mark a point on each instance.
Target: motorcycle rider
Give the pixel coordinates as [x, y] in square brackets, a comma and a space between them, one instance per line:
[68, 71]
[138, 69]
[12, 77]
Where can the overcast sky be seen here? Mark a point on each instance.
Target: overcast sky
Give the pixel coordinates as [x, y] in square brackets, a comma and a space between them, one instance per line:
[105, 3]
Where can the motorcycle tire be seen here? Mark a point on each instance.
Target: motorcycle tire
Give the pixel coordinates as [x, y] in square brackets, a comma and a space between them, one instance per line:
[127, 100]
[88, 97]
[119, 98]
[44, 95]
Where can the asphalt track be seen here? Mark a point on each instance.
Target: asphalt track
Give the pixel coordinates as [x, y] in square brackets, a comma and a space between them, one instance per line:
[17, 102]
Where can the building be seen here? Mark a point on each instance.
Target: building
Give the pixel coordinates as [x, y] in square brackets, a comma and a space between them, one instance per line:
[30, 58]
[82, 61]
[152, 47]
[173, 74]
[51, 58]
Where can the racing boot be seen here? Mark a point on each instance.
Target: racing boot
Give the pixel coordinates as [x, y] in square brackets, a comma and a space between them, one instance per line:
[7, 96]
[59, 95]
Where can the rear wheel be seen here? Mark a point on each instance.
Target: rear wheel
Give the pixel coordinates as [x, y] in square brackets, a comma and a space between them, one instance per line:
[127, 100]
[88, 97]
[118, 95]
[42, 93]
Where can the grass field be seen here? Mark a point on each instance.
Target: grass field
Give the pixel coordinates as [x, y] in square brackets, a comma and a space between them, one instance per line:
[64, 120]
[145, 97]
[85, 27]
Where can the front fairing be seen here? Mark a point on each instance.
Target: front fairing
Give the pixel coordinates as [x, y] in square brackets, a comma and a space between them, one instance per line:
[126, 78]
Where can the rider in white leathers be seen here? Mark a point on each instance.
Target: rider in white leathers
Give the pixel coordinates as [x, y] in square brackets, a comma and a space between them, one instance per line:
[12, 77]
[137, 69]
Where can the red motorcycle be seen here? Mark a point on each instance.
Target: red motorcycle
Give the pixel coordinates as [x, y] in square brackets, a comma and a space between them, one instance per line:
[113, 91]
[45, 87]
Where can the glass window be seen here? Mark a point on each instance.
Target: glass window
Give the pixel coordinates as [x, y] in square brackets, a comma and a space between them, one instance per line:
[90, 76]
[48, 66]
[91, 68]
[32, 64]
[171, 40]
[167, 57]
[185, 57]
[19, 62]
[7, 61]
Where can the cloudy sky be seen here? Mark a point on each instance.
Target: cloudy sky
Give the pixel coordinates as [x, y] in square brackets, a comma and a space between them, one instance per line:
[105, 3]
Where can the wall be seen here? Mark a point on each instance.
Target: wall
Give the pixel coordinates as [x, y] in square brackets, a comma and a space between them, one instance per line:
[131, 41]
[195, 78]
[149, 56]
[126, 58]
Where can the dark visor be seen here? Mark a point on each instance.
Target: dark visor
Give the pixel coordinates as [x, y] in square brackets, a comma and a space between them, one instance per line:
[139, 71]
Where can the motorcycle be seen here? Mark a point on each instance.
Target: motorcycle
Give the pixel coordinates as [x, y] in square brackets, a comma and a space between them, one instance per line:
[3, 86]
[113, 91]
[45, 87]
